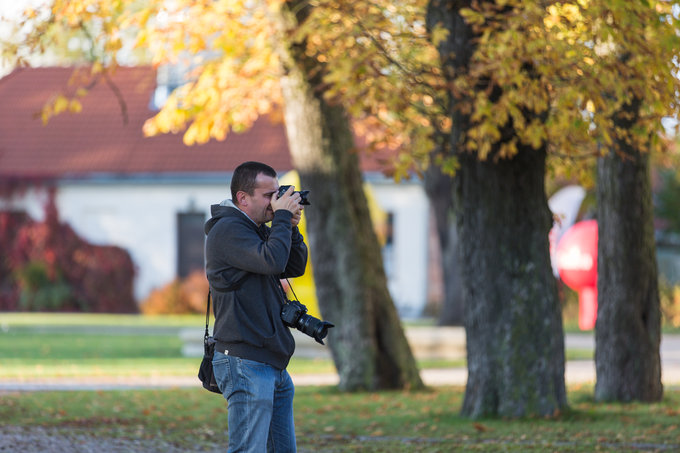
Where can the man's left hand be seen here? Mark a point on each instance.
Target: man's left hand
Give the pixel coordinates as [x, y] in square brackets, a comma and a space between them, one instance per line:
[297, 216]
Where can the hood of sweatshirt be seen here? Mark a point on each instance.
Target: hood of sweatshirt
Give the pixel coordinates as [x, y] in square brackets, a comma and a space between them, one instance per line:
[226, 208]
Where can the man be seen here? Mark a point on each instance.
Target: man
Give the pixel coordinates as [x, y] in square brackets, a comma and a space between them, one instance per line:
[244, 261]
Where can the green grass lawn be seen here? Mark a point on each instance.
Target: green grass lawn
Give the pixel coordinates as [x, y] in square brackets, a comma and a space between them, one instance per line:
[68, 345]
[37, 320]
[46, 345]
[72, 346]
[327, 420]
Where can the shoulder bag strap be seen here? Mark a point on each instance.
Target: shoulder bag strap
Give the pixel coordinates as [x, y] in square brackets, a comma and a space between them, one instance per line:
[207, 317]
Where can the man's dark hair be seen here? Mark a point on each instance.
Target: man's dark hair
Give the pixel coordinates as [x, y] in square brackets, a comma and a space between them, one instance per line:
[245, 176]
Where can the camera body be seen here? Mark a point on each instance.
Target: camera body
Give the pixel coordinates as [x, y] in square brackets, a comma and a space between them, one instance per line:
[303, 195]
[294, 314]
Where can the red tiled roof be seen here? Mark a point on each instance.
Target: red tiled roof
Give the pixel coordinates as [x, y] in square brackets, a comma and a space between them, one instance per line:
[96, 139]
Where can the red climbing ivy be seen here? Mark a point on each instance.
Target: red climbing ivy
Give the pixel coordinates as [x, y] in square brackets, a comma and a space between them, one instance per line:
[46, 266]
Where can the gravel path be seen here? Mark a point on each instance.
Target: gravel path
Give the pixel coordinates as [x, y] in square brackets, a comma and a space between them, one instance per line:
[38, 439]
[42, 440]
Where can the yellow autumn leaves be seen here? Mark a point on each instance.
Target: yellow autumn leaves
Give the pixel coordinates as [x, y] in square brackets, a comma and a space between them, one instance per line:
[555, 74]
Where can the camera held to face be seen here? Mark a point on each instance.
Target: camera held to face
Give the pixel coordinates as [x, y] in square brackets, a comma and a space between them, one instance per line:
[303, 196]
[294, 314]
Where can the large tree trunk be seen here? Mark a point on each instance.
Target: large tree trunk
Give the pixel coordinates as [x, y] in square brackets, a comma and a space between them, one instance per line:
[368, 344]
[515, 344]
[628, 327]
[515, 341]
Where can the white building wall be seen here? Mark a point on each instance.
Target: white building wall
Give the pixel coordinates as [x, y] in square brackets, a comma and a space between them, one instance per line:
[141, 216]
[407, 273]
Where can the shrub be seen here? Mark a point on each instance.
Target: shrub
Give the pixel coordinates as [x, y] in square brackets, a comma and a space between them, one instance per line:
[38, 292]
[47, 266]
[180, 296]
[670, 303]
[10, 224]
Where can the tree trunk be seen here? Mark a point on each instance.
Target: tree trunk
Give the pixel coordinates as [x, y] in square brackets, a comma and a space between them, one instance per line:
[628, 327]
[439, 189]
[368, 344]
[513, 321]
[515, 344]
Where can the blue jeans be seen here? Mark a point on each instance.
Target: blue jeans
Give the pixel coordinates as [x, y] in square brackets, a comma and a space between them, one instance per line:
[259, 403]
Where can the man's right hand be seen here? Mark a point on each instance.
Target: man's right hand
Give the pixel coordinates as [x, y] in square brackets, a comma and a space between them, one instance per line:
[289, 201]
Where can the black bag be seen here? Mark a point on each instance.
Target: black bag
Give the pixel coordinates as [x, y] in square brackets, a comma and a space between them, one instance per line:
[205, 371]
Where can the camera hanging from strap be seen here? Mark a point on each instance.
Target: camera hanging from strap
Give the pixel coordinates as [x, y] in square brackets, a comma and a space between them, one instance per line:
[294, 314]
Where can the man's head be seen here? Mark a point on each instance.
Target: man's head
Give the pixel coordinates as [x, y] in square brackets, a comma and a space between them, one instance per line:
[252, 187]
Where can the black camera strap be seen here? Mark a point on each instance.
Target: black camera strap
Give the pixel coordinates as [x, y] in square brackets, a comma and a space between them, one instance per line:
[283, 291]
[292, 290]
[207, 318]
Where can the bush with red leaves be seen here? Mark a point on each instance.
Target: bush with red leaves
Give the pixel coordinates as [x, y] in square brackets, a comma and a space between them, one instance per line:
[46, 266]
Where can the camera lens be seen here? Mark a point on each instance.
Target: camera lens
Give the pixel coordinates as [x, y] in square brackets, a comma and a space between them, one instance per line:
[321, 331]
[313, 327]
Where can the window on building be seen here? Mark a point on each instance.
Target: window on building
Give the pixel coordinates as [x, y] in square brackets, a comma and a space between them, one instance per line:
[190, 243]
[168, 78]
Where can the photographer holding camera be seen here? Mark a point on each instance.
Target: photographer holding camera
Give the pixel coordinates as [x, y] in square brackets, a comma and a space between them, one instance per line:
[245, 259]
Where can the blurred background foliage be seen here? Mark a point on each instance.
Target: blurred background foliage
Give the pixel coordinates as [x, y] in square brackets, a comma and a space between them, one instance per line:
[47, 266]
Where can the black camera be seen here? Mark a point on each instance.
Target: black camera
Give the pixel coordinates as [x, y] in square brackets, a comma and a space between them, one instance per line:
[294, 314]
[303, 195]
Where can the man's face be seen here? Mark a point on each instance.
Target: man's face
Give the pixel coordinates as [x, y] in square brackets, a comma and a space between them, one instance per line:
[257, 206]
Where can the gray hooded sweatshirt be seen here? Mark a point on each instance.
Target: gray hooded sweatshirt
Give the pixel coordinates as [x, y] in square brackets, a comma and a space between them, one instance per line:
[244, 264]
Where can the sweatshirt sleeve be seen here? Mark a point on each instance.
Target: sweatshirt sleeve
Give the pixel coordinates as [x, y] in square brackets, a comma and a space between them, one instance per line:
[236, 243]
[297, 260]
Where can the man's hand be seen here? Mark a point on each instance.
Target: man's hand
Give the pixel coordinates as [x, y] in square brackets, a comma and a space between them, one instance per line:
[289, 201]
[297, 216]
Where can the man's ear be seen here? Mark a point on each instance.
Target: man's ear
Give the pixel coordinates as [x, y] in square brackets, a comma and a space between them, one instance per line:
[241, 198]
